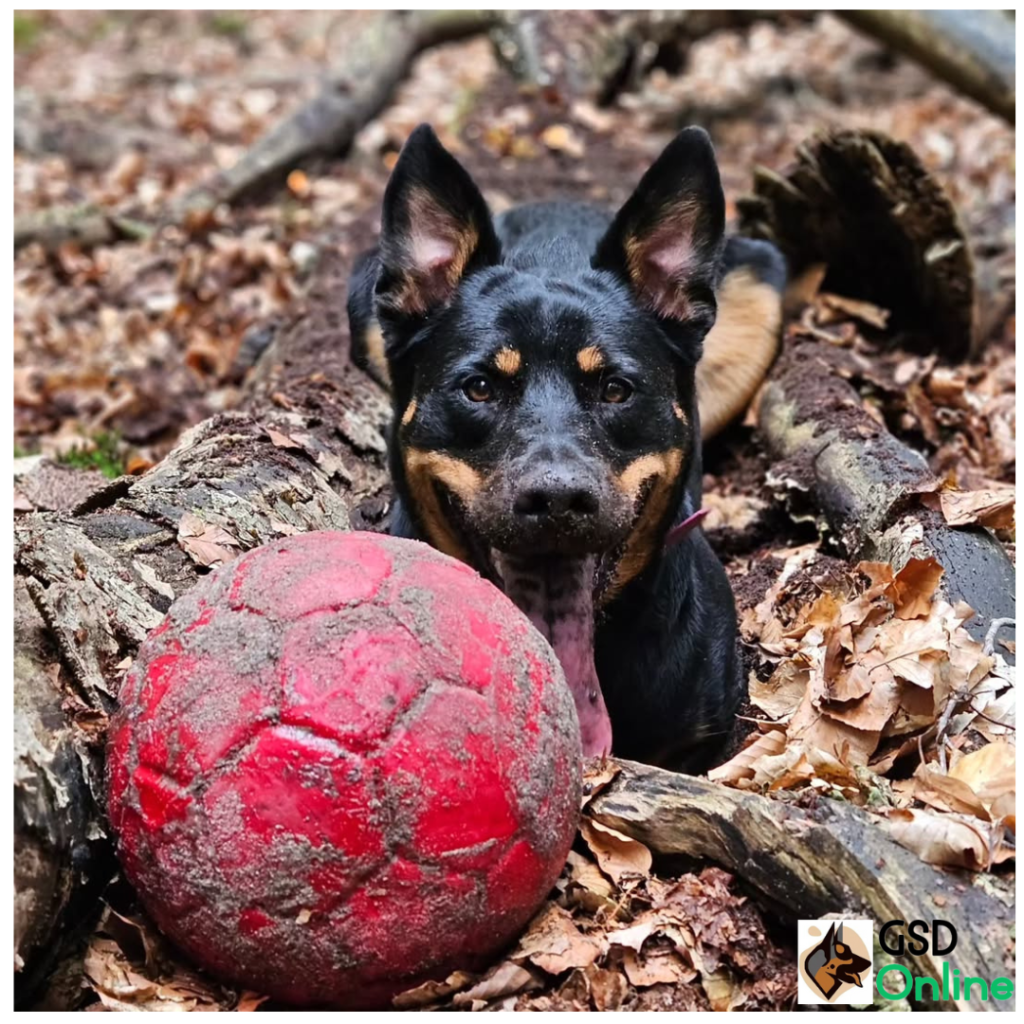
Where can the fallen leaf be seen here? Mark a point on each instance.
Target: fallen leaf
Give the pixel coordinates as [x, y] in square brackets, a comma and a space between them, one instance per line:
[990, 773]
[780, 696]
[633, 937]
[948, 840]
[618, 855]
[249, 1001]
[743, 765]
[723, 990]
[608, 989]
[914, 587]
[282, 440]
[554, 943]
[432, 991]
[993, 508]
[506, 979]
[656, 967]
[562, 139]
[205, 543]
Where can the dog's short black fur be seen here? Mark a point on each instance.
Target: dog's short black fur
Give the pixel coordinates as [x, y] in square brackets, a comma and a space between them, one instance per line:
[544, 370]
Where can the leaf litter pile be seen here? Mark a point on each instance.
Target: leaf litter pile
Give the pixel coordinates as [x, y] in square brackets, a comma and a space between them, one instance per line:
[865, 685]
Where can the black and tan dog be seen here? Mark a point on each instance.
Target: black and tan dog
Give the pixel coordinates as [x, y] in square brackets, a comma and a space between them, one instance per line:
[550, 397]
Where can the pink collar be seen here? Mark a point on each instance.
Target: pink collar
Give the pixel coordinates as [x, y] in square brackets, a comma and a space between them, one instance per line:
[680, 530]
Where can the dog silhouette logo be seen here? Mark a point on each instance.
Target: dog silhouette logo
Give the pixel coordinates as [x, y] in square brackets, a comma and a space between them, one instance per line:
[835, 962]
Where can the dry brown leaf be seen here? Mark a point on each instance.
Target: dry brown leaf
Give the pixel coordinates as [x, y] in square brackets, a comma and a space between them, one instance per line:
[608, 989]
[584, 872]
[562, 139]
[554, 943]
[656, 967]
[914, 586]
[723, 990]
[780, 696]
[943, 792]
[250, 1001]
[283, 440]
[632, 937]
[993, 507]
[947, 839]
[618, 856]
[991, 774]
[743, 766]
[205, 543]
[506, 979]
[432, 991]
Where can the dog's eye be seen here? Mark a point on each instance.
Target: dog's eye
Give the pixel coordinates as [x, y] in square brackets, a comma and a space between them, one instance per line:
[478, 389]
[616, 389]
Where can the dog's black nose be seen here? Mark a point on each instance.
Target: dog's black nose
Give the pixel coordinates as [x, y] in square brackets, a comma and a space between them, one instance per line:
[556, 494]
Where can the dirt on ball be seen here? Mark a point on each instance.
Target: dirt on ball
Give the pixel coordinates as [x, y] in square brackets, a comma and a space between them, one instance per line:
[343, 765]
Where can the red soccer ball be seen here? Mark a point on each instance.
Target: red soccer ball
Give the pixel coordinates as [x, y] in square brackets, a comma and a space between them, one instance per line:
[343, 765]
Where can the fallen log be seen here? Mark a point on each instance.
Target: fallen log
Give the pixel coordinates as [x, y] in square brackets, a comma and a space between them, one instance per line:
[84, 226]
[974, 51]
[356, 90]
[831, 859]
[598, 55]
[864, 485]
[304, 453]
[865, 206]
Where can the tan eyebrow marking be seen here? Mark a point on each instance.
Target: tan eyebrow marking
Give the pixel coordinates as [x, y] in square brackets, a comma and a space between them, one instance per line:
[508, 361]
[590, 359]
[678, 410]
[410, 411]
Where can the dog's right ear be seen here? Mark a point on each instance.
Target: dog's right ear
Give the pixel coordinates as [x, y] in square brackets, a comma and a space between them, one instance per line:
[435, 229]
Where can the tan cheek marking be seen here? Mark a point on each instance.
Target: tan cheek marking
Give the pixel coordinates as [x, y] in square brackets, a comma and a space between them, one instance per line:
[508, 361]
[590, 359]
[421, 469]
[374, 342]
[638, 472]
[410, 411]
[641, 543]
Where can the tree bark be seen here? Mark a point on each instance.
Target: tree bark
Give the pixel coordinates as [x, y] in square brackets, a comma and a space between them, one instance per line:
[306, 452]
[974, 51]
[864, 205]
[865, 484]
[831, 859]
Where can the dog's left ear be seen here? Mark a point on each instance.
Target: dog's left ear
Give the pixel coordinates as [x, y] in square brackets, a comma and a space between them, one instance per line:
[435, 228]
[667, 239]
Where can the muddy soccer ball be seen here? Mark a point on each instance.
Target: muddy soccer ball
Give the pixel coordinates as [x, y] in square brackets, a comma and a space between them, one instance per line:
[343, 765]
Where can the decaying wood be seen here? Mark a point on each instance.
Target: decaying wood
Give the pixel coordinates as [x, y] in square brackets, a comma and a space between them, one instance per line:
[598, 56]
[864, 205]
[85, 226]
[832, 859]
[865, 485]
[59, 856]
[359, 86]
[304, 453]
[974, 51]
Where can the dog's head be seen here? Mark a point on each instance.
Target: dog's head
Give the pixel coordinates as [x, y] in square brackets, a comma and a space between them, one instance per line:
[544, 401]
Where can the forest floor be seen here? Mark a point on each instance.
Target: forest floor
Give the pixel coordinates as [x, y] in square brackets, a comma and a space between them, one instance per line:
[120, 348]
